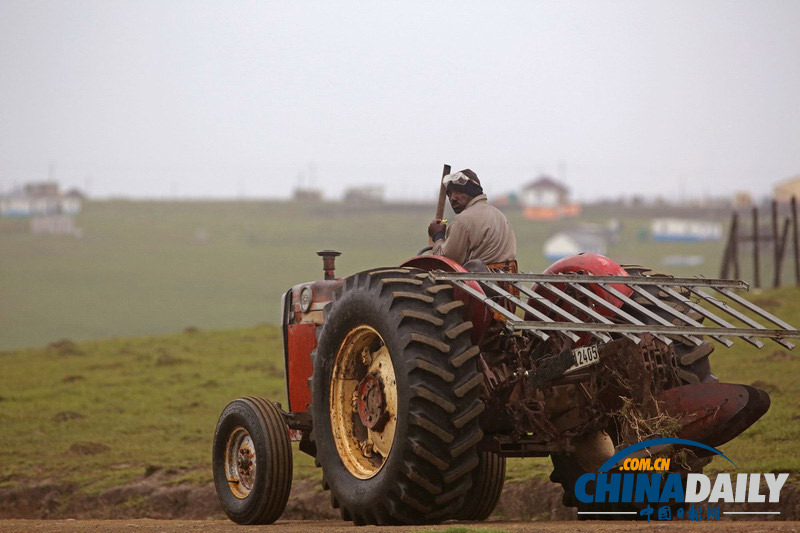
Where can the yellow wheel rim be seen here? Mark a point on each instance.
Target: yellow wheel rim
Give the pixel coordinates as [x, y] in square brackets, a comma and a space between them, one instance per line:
[362, 361]
[240, 462]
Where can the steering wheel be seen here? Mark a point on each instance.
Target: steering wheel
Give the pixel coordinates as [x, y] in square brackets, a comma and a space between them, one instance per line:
[426, 249]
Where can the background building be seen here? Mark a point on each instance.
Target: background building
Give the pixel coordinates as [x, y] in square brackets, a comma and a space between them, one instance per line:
[784, 190]
[40, 198]
[566, 243]
[547, 199]
[678, 229]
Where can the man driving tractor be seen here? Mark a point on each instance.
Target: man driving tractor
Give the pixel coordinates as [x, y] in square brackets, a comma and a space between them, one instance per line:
[480, 231]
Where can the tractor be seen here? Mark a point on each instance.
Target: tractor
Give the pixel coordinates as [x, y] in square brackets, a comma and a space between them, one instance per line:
[410, 385]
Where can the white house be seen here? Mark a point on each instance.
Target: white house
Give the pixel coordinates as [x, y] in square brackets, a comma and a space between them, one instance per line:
[547, 199]
[544, 192]
[566, 243]
[364, 193]
[678, 229]
[35, 199]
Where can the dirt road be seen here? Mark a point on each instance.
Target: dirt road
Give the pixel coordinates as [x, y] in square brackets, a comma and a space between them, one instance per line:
[331, 526]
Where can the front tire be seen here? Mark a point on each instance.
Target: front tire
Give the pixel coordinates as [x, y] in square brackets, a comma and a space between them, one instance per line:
[395, 399]
[252, 461]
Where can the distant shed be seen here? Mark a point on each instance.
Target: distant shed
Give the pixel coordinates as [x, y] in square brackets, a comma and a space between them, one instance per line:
[566, 243]
[784, 190]
[307, 195]
[370, 194]
[677, 229]
[38, 199]
[547, 199]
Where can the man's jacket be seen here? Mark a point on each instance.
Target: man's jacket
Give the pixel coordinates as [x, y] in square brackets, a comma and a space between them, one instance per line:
[480, 231]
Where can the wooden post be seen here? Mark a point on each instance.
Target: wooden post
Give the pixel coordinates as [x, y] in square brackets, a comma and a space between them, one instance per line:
[781, 250]
[735, 244]
[756, 273]
[776, 269]
[795, 239]
[727, 254]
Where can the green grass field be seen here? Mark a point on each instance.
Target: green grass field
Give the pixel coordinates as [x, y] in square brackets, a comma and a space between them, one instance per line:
[146, 268]
[99, 413]
[102, 413]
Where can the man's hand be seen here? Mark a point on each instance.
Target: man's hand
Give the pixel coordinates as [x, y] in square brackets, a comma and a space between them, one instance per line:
[436, 229]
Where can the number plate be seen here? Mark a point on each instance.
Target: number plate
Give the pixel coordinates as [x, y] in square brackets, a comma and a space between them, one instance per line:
[584, 356]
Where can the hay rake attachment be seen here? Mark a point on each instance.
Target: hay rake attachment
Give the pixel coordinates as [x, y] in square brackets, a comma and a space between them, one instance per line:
[580, 311]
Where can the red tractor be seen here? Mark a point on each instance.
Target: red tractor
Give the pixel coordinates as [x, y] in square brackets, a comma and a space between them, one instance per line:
[411, 384]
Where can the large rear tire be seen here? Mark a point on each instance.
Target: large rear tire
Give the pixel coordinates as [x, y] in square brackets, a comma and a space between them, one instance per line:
[487, 485]
[395, 399]
[252, 461]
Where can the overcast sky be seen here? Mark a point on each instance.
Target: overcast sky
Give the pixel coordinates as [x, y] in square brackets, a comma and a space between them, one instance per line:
[193, 98]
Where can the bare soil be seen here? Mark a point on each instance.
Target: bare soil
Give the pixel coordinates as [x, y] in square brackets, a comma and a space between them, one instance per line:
[156, 497]
[317, 526]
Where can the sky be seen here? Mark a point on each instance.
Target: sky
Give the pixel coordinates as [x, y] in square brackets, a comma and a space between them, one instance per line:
[228, 99]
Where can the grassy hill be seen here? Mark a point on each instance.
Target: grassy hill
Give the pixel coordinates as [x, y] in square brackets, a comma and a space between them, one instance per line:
[102, 413]
[145, 268]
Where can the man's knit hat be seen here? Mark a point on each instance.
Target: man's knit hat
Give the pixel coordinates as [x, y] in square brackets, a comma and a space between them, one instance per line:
[471, 186]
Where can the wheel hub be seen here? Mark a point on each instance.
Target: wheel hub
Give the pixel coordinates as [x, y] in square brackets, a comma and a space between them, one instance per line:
[372, 402]
[240, 462]
[363, 402]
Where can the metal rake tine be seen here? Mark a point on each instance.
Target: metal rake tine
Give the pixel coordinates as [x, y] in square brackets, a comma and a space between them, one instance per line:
[553, 307]
[619, 312]
[661, 320]
[526, 307]
[580, 305]
[674, 312]
[733, 312]
[499, 308]
[751, 306]
[583, 279]
[655, 329]
[708, 314]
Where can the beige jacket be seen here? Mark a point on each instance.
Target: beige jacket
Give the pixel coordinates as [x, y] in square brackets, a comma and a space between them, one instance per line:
[480, 231]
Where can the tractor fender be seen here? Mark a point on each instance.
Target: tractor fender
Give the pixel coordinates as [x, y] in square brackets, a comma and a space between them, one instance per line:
[478, 313]
[587, 264]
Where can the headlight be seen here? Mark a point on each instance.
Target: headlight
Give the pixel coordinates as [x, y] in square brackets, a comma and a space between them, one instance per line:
[305, 299]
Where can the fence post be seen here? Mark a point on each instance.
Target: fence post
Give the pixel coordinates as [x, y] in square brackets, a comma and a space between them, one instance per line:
[781, 251]
[735, 244]
[756, 273]
[727, 253]
[776, 268]
[795, 239]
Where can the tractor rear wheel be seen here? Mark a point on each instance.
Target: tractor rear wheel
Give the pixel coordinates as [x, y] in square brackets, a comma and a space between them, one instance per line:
[252, 461]
[395, 399]
[487, 485]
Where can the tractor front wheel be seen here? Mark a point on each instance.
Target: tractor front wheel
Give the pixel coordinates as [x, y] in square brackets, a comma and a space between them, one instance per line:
[252, 461]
